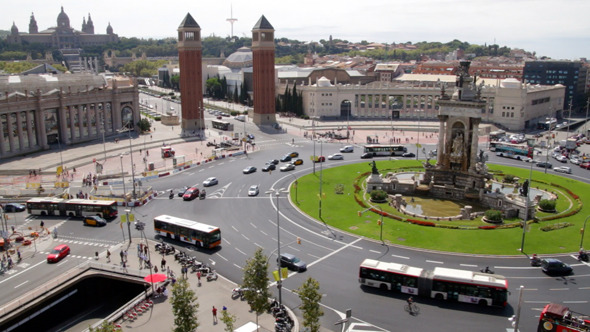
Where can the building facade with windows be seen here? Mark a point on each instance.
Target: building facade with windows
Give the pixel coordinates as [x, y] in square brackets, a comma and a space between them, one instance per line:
[40, 112]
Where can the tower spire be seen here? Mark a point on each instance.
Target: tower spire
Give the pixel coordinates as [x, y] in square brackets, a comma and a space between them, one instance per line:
[231, 20]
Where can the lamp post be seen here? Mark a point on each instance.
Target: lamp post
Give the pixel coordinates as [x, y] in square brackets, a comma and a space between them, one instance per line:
[583, 230]
[586, 118]
[531, 144]
[321, 173]
[61, 159]
[280, 281]
[128, 223]
[313, 139]
[123, 176]
[418, 141]
[132, 164]
[380, 221]
[568, 121]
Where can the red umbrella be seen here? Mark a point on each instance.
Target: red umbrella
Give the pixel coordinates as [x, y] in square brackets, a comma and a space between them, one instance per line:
[156, 277]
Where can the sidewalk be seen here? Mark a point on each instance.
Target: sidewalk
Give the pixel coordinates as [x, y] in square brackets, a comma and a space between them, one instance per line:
[211, 293]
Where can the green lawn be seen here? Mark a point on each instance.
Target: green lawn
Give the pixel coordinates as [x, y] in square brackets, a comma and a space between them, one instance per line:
[341, 211]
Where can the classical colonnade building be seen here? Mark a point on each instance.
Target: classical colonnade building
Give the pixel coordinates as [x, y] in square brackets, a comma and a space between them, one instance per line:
[37, 111]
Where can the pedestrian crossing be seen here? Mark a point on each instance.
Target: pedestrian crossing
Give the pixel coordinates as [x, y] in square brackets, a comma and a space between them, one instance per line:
[87, 242]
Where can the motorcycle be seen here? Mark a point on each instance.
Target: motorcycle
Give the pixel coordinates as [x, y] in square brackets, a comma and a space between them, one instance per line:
[583, 256]
[238, 293]
[164, 248]
[487, 270]
[202, 194]
[212, 276]
[171, 196]
[535, 261]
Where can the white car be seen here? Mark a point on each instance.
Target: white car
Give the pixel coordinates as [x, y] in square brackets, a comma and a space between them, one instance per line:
[287, 167]
[563, 169]
[336, 156]
[210, 182]
[347, 149]
[253, 191]
[561, 158]
[575, 161]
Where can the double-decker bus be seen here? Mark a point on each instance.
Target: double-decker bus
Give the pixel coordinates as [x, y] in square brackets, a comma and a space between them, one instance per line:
[189, 231]
[223, 125]
[385, 150]
[441, 283]
[505, 149]
[559, 318]
[50, 206]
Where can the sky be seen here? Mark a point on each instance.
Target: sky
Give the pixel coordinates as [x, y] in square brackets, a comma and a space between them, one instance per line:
[557, 29]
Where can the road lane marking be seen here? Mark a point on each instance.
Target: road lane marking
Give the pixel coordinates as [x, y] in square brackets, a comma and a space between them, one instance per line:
[235, 229]
[259, 246]
[264, 233]
[575, 302]
[243, 253]
[225, 259]
[17, 286]
[375, 251]
[245, 237]
[559, 289]
[402, 257]
[468, 265]
[239, 267]
[21, 272]
[434, 262]
[254, 226]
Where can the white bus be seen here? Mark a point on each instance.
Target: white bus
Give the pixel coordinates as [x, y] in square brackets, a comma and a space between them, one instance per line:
[189, 231]
[385, 149]
[50, 206]
[441, 283]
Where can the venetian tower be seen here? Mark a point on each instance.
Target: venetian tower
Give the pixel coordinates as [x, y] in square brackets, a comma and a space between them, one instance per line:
[263, 53]
[191, 73]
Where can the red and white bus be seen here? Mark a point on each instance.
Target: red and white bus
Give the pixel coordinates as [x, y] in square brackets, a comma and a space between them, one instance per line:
[558, 318]
[49, 206]
[189, 231]
[441, 283]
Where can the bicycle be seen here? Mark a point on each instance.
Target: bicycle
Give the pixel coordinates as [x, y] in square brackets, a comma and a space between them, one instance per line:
[412, 309]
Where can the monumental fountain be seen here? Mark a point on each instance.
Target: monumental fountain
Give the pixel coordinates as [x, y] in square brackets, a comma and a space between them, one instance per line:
[460, 172]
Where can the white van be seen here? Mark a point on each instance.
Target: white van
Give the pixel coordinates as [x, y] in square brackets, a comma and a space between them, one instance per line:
[240, 118]
[347, 149]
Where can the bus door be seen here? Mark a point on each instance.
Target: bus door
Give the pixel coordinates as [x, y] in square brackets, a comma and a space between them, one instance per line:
[60, 207]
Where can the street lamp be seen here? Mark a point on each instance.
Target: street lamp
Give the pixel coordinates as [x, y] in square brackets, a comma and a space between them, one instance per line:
[360, 213]
[131, 154]
[586, 118]
[530, 144]
[568, 121]
[321, 173]
[277, 193]
[418, 142]
[583, 230]
[61, 159]
[123, 176]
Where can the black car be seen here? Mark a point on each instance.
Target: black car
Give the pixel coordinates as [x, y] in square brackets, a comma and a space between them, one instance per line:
[249, 169]
[555, 266]
[181, 191]
[250, 136]
[286, 158]
[544, 165]
[293, 263]
[13, 207]
[269, 167]
[273, 161]
[408, 155]
[367, 155]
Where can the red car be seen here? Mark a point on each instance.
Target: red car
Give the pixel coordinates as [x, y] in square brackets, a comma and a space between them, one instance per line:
[585, 165]
[58, 253]
[191, 193]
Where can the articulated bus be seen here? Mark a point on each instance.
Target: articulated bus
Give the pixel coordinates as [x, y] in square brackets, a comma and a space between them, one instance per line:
[189, 231]
[505, 149]
[49, 206]
[223, 125]
[385, 150]
[559, 318]
[441, 283]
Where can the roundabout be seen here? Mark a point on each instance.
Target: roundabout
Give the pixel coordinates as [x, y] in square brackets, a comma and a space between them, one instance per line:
[344, 197]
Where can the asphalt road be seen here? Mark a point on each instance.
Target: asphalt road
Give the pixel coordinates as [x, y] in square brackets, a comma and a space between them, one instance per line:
[333, 257]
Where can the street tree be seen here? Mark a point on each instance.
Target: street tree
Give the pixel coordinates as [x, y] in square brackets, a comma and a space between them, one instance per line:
[228, 319]
[310, 304]
[184, 307]
[144, 125]
[256, 281]
[106, 326]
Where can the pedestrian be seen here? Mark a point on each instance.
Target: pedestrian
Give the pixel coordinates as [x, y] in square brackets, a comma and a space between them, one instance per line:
[199, 277]
[125, 255]
[145, 250]
[163, 263]
[42, 224]
[214, 311]
[122, 256]
[167, 271]
[96, 255]
[155, 269]
[108, 256]
[12, 228]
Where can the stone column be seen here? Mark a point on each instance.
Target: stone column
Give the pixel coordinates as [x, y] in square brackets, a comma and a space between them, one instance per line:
[10, 130]
[30, 134]
[40, 128]
[80, 121]
[474, 142]
[2, 142]
[19, 131]
[61, 114]
[441, 138]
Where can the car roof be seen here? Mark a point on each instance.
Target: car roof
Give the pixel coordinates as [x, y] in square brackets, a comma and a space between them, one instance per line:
[552, 260]
[61, 246]
[287, 255]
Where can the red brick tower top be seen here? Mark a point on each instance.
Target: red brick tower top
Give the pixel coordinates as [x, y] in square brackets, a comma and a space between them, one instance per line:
[263, 53]
[191, 74]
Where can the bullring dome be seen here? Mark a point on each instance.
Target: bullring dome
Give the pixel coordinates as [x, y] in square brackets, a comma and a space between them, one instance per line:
[242, 58]
[62, 19]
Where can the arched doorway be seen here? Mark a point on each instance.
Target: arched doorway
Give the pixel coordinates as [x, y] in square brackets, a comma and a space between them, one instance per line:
[127, 117]
[345, 109]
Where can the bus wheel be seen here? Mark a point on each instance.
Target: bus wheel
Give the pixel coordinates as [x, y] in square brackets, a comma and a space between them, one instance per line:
[43, 213]
[70, 214]
[383, 287]
[483, 303]
[439, 296]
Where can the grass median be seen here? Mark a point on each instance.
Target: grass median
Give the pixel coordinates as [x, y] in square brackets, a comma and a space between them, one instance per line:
[340, 210]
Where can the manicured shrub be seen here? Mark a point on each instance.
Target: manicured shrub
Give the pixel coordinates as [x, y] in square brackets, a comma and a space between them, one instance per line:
[493, 215]
[547, 204]
[378, 196]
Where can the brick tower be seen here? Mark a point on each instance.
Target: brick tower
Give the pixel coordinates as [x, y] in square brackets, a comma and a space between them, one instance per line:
[191, 74]
[263, 53]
